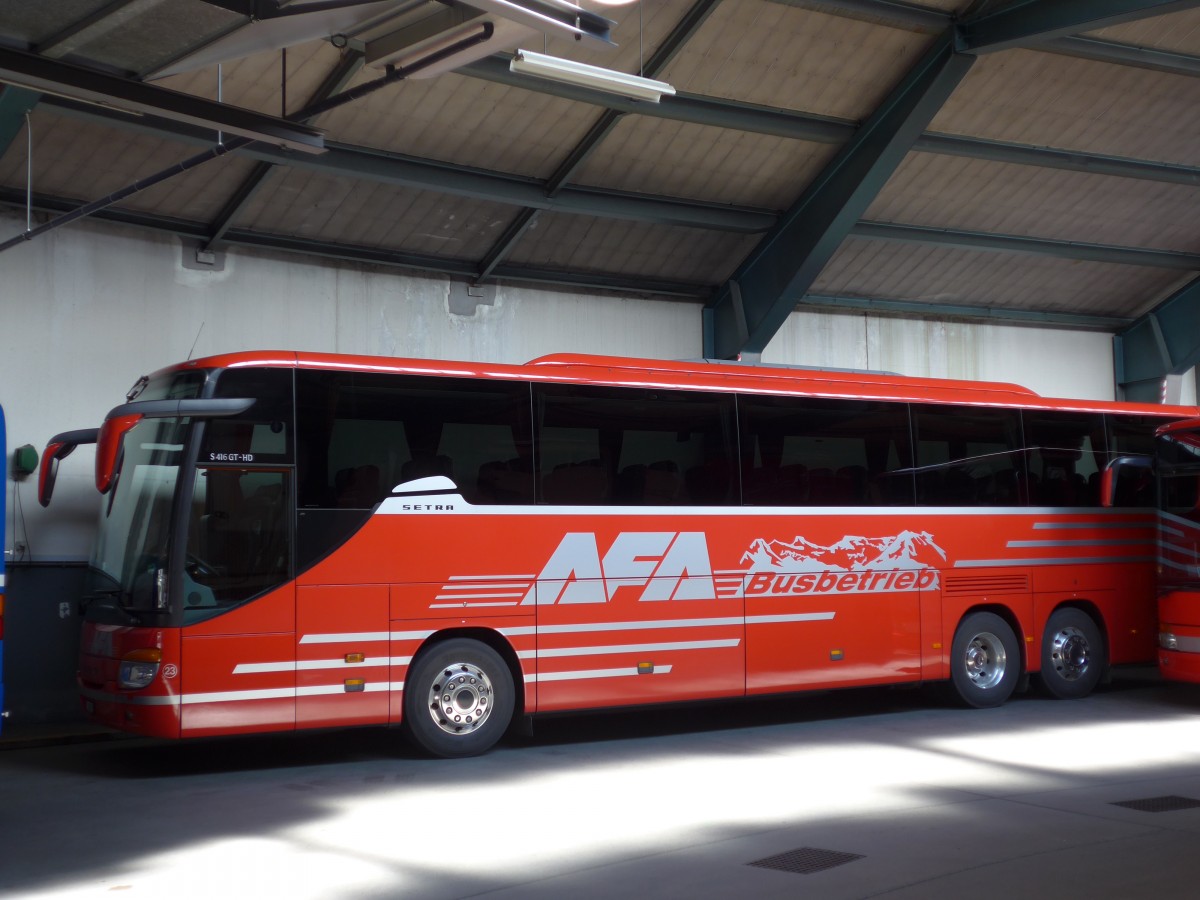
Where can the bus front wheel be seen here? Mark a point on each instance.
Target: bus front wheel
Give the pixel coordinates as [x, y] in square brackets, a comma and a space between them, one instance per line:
[985, 660]
[1072, 654]
[458, 698]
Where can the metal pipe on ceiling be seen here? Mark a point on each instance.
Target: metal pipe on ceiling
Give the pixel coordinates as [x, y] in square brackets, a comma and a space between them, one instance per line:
[393, 75]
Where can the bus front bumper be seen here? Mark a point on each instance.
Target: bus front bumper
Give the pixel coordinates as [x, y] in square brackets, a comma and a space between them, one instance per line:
[151, 716]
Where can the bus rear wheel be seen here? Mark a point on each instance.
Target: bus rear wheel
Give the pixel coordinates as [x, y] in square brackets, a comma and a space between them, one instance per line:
[1072, 654]
[458, 698]
[985, 660]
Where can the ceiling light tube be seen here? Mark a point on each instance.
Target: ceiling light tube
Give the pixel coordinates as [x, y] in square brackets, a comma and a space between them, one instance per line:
[568, 71]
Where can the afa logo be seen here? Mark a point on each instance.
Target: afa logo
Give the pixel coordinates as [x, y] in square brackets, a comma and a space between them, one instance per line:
[669, 565]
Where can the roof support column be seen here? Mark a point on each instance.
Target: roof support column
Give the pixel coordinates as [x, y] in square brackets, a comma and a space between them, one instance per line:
[1163, 342]
[767, 286]
[14, 103]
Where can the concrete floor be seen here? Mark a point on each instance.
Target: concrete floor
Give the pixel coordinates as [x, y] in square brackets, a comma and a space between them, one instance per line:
[899, 794]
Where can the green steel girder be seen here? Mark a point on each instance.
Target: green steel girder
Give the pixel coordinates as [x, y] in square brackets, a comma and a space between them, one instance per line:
[764, 290]
[1164, 341]
[1032, 21]
[14, 103]
[923, 309]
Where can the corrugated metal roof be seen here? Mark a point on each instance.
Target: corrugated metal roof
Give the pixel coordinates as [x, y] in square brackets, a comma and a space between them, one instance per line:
[449, 172]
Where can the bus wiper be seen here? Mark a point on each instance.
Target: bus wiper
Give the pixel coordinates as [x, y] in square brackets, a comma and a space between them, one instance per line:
[114, 600]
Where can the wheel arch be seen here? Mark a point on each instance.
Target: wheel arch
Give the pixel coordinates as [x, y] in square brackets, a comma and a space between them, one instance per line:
[491, 638]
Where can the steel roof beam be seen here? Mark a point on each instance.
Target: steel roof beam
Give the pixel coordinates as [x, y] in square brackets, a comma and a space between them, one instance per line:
[683, 107]
[891, 12]
[465, 268]
[388, 168]
[1028, 22]
[1164, 341]
[65, 79]
[376, 255]
[699, 110]
[429, 175]
[887, 306]
[1051, 158]
[1127, 55]
[765, 288]
[1014, 243]
[370, 165]
[720, 113]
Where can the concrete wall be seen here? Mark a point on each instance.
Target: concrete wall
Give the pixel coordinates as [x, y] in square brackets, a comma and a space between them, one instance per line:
[1054, 363]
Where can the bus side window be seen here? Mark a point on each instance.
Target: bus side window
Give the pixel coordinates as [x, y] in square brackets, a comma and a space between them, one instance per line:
[1132, 436]
[807, 451]
[969, 456]
[1065, 456]
[634, 446]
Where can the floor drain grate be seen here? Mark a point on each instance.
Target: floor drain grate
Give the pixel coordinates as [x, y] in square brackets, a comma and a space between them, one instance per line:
[1160, 804]
[805, 860]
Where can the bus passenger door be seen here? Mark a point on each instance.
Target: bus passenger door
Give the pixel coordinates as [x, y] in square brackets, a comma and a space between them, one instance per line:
[342, 659]
[237, 665]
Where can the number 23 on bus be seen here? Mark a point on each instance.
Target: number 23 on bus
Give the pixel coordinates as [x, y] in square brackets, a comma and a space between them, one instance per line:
[293, 540]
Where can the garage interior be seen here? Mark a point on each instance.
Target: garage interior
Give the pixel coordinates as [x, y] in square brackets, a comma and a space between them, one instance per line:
[979, 189]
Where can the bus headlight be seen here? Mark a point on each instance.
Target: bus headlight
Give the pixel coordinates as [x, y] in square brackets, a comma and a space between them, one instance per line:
[1168, 641]
[139, 668]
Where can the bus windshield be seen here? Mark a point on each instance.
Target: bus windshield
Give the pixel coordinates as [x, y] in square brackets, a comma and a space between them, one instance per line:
[135, 525]
[1179, 472]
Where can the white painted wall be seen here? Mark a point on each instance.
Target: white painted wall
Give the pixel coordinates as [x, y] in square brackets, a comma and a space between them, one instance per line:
[1054, 363]
[90, 307]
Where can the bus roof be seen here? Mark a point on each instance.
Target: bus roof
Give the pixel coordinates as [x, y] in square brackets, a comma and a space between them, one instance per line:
[693, 375]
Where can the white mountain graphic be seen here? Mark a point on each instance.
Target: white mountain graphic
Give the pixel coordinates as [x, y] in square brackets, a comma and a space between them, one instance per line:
[906, 550]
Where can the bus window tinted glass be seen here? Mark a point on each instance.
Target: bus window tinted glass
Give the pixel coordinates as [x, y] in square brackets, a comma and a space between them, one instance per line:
[1179, 473]
[238, 538]
[361, 435]
[260, 435]
[627, 446]
[811, 452]
[1065, 457]
[968, 456]
[1132, 436]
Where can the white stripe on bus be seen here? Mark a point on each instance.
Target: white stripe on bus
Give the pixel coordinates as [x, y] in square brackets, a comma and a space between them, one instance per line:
[597, 673]
[627, 648]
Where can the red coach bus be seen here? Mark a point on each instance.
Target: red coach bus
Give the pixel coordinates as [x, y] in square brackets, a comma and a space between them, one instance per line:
[1178, 464]
[294, 540]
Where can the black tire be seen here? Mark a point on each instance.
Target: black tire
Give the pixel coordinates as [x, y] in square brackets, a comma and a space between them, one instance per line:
[1073, 654]
[985, 660]
[458, 698]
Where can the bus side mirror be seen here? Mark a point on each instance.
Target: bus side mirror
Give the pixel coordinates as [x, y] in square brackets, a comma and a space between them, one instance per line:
[60, 447]
[1111, 476]
[108, 449]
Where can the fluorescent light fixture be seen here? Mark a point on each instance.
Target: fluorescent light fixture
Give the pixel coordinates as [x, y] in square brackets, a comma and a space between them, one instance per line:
[568, 71]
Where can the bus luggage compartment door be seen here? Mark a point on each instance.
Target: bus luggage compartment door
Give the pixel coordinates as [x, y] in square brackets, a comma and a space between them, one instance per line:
[342, 658]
